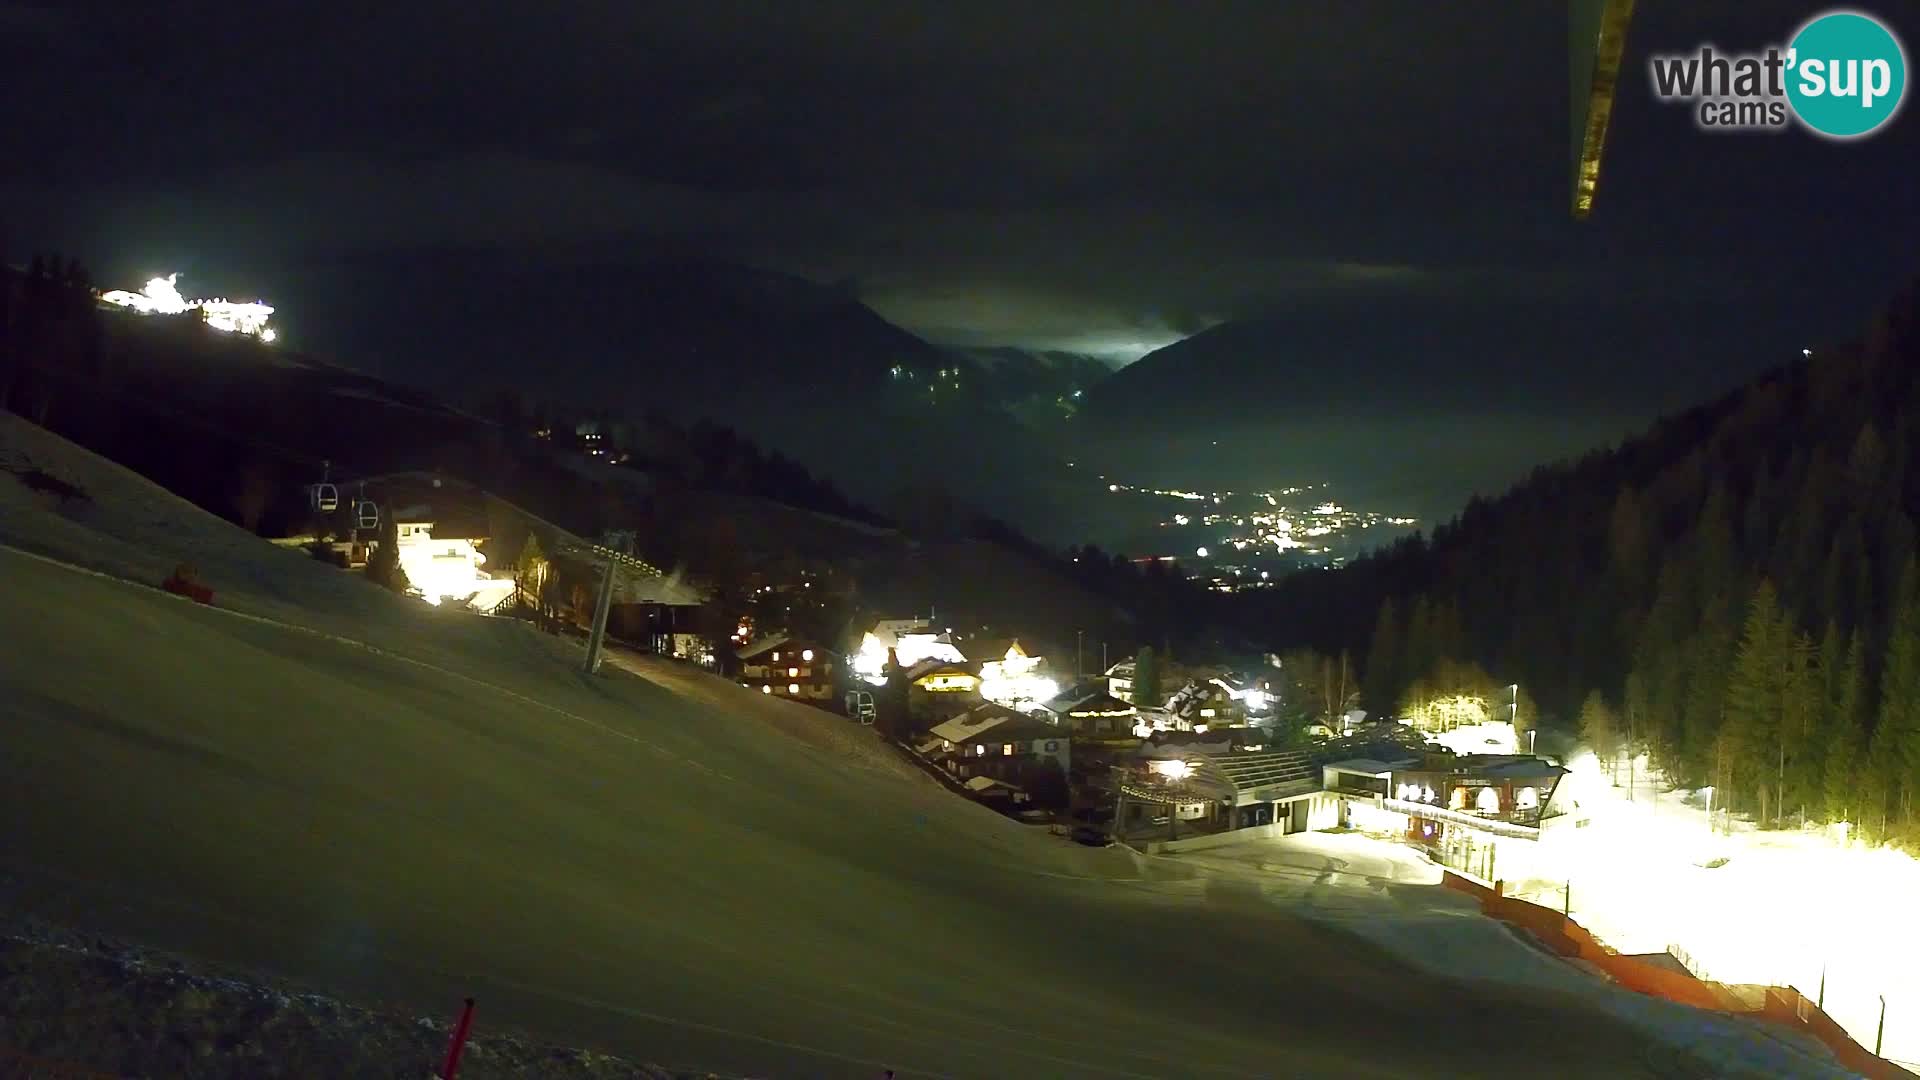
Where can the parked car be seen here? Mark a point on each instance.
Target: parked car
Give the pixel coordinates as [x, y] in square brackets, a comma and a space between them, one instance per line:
[1092, 837]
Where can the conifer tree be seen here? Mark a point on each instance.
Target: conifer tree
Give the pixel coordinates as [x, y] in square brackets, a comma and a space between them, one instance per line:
[1846, 749]
[1598, 727]
[1896, 738]
[1754, 696]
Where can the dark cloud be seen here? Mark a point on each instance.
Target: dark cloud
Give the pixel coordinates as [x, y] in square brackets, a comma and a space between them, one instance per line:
[1104, 176]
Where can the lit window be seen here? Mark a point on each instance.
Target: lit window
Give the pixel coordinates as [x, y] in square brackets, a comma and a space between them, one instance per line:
[1052, 746]
[766, 689]
[776, 656]
[1209, 713]
[1458, 801]
[806, 655]
[793, 673]
[979, 750]
[1527, 798]
[1489, 801]
[1006, 749]
[793, 688]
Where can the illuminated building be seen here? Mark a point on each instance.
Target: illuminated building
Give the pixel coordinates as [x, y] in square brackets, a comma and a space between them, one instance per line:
[1477, 813]
[789, 667]
[441, 567]
[1015, 680]
[912, 641]
[997, 742]
[1091, 713]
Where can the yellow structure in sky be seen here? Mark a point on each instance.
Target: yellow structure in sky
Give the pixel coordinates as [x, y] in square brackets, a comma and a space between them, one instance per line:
[1597, 40]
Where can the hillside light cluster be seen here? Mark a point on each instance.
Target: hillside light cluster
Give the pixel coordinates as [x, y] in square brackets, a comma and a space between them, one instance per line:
[161, 296]
[440, 569]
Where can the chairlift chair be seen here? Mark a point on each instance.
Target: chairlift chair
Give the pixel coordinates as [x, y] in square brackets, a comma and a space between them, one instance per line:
[325, 497]
[368, 514]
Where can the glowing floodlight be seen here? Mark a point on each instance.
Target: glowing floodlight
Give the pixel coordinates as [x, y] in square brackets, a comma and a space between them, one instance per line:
[1173, 770]
[161, 296]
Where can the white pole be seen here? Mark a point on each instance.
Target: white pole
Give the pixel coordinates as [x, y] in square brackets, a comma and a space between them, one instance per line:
[602, 605]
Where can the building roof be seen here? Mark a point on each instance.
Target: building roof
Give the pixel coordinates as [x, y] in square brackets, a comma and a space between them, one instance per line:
[1234, 736]
[762, 645]
[981, 784]
[1088, 699]
[1369, 766]
[1267, 774]
[1508, 766]
[935, 666]
[890, 631]
[989, 649]
[1002, 723]
[1190, 698]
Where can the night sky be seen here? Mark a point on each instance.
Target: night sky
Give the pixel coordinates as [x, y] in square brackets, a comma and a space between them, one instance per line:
[1104, 177]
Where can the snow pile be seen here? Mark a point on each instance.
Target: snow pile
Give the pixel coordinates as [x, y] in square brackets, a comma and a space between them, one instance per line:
[152, 1014]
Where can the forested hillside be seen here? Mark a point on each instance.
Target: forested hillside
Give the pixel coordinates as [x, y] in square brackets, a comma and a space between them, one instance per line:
[1735, 591]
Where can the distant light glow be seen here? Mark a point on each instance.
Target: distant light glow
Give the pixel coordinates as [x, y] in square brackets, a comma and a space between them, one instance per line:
[1201, 552]
[1173, 770]
[439, 568]
[913, 648]
[161, 296]
[870, 663]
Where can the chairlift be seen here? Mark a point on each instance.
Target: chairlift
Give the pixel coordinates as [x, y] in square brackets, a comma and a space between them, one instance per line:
[369, 514]
[325, 497]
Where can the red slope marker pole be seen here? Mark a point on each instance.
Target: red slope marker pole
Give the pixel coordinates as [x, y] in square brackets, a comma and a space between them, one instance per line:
[459, 1043]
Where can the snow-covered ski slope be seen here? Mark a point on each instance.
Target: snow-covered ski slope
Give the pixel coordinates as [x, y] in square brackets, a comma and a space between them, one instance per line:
[666, 866]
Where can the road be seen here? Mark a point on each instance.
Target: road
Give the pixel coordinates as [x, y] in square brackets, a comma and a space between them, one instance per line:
[667, 869]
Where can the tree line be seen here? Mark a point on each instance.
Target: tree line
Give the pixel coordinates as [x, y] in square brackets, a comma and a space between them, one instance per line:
[1733, 593]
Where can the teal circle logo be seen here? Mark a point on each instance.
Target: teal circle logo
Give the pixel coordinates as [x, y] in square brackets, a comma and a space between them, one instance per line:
[1846, 74]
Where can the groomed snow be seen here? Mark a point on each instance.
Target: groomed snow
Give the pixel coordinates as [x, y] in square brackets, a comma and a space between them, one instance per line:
[661, 865]
[1784, 907]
